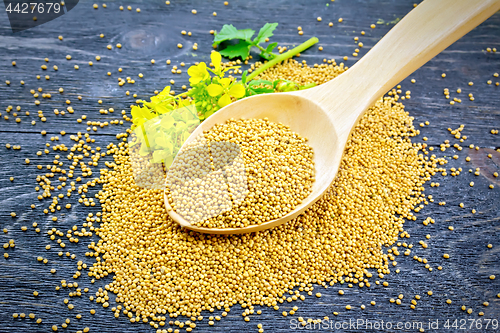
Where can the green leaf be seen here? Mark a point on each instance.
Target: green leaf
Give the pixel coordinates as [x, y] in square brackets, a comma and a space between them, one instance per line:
[260, 90]
[271, 47]
[214, 89]
[266, 56]
[245, 34]
[265, 32]
[244, 77]
[227, 32]
[242, 50]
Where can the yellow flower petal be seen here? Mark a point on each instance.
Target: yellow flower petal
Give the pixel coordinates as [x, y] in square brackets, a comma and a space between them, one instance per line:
[198, 73]
[237, 91]
[225, 82]
[224, 100]
[167, 121]
[216, 60]
[214, 89]
[138, 112]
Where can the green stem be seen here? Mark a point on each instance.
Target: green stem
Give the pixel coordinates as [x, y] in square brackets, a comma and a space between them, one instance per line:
[260, 48]
[307, 44]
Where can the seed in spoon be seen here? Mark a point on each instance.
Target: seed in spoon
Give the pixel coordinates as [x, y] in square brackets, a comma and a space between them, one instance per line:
[241, 173]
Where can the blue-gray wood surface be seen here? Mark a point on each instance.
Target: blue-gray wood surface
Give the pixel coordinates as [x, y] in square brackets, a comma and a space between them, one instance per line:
[153, 34]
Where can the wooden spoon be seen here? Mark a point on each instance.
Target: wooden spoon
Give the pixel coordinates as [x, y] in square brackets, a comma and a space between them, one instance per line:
[327, 114]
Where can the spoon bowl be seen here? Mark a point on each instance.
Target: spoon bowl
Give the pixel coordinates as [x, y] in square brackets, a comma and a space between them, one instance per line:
[297, 112]
[327, 114]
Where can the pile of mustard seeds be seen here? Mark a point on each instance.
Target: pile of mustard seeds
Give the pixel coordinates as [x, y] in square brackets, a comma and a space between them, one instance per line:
[162, 271]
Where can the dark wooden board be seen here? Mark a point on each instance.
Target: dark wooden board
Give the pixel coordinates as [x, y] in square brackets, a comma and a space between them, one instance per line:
[153, 34]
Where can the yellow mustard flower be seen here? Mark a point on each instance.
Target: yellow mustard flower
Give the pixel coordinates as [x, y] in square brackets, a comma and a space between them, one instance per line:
[236, 90]
[198, 73]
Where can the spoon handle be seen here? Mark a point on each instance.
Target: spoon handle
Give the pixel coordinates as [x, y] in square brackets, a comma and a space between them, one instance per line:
[423, 33]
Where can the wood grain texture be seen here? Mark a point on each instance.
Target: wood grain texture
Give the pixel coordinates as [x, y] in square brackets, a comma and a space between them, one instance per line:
[154, 34]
